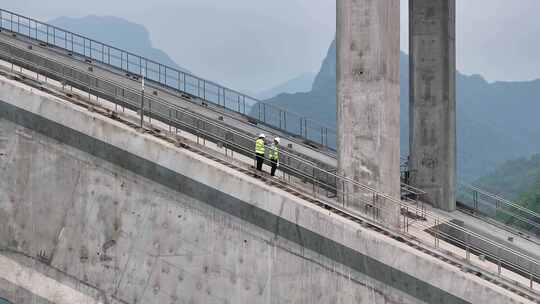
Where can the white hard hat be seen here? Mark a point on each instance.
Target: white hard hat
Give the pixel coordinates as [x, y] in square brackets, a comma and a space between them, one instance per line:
[277, 139]
[262, 135]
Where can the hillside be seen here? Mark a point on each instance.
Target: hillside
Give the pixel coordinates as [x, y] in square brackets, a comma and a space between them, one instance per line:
[513, 178]
[517, 180]
[531, 200]
[116, 32]
[496, 121]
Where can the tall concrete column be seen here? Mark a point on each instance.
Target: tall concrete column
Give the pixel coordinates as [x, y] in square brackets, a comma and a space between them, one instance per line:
[368, 100]
[433, 100]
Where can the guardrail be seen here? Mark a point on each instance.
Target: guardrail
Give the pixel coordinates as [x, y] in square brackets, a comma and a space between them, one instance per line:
[172, 78]
[357, 199]
[494, 206]
[185, 82]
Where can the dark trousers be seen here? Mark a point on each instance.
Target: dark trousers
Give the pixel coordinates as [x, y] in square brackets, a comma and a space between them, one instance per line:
[260, 161]
[274, 167]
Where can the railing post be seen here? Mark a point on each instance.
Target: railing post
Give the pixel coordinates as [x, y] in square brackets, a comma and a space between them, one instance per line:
[402, 227]
[343, 192]
[407, 218]
[224, 98]
[63, 80]
[313, 181]
[373, 203]
[467, 250]
[198, 129]
[142, 101]
[436, 234]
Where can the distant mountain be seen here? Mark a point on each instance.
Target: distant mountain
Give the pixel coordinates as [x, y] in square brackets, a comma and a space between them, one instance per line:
[320, 102]
[495, 121]
[302, 83]
[116, 32]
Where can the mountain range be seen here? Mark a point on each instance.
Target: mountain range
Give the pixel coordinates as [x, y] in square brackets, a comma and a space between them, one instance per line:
[496, 121]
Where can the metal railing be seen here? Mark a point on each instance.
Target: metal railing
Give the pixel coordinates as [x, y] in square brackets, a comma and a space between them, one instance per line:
[172, 78]
[355, 198]
[499, 208]
[185, 82]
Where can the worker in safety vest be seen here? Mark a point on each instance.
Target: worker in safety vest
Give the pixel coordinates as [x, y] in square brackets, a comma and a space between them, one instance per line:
[259, 151]
[274, 155]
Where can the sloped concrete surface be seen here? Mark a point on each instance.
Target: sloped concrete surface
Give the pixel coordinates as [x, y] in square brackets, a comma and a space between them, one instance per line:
[145, 243]
[142, 221]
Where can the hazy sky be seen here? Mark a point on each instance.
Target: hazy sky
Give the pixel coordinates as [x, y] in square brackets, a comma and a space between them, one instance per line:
[254, 44]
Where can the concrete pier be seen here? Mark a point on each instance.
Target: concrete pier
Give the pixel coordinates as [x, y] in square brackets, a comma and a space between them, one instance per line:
[368, 96]
[432, 101]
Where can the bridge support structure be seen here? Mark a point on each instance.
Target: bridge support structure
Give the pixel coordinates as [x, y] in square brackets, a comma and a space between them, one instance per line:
[368, 99]
[432, 140]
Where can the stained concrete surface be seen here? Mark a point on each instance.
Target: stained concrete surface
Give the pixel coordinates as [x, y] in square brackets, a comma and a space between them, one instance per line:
[368, 96]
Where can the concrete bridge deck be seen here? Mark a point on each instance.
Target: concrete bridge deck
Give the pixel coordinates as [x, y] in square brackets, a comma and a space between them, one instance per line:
[301, 235]
[418, 229]
[323, 158]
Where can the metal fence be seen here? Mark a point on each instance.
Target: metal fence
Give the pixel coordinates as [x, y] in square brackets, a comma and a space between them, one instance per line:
[498, 208]
[171, 78]
[353, 198]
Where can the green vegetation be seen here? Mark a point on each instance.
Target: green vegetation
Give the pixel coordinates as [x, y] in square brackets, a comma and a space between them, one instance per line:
[519, 181]
[513, 178]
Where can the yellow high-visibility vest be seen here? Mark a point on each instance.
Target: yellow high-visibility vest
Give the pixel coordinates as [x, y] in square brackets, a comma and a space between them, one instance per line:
[274, 152]
[259, 146]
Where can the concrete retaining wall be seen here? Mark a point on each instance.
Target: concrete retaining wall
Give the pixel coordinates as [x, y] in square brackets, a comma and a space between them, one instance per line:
[143, 221]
